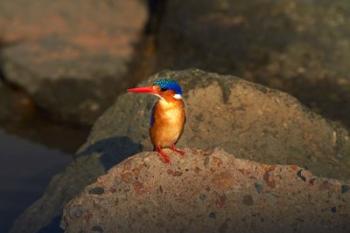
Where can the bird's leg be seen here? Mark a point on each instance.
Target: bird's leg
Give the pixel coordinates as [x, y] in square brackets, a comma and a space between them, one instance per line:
[173, 148]
[162, 154]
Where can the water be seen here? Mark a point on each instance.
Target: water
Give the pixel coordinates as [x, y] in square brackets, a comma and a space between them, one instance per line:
[26, 169]
[26, 166]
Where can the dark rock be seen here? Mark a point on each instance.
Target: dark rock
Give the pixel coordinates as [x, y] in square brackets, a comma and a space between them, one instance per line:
[97, 229]
[301, 47]
[71, 56]
[20, 116]
[212, 215]
[345, 188]
[248, 200]
[6, 102]
[97, 191]
[251, 122]
[259, 187]
[178, 210]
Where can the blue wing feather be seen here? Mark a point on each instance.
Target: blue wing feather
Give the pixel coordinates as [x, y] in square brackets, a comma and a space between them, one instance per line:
[152, 115]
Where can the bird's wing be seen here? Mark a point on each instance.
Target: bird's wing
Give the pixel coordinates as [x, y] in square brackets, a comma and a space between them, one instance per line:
[152, 115]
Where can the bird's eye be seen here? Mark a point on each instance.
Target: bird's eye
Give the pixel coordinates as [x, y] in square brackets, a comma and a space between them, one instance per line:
[163, 89]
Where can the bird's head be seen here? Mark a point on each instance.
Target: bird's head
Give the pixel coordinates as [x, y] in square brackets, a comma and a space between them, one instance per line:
[166, 89]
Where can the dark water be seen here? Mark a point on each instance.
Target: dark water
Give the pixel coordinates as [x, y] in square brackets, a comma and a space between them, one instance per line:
[26, 165]
[26, 168]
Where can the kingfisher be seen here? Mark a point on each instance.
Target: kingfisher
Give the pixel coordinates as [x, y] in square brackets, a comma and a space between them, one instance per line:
[168, 115]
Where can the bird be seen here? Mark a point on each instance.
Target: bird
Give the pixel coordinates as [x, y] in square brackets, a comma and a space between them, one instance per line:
[168, 115]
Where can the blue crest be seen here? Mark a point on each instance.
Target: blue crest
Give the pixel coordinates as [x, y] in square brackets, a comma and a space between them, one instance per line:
[168, 84]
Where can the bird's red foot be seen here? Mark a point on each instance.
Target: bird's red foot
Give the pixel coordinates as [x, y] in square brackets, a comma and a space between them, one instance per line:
[181, 152]
[163, 155]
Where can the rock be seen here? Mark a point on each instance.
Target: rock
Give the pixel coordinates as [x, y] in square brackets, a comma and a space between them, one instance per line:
[15, 106]
[245, 119]
[20, 116]
[71, 56]
[214, 193]
[5, 101]
[238, 116]
[300, 47]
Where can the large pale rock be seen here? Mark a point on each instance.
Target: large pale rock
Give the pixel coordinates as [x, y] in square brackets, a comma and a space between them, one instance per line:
[238, 116]
[245, 119]
[208, 192]
[301, 47]
[71, 56]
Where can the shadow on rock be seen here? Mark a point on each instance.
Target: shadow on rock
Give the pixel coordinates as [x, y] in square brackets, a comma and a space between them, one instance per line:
[92, 161]
[112, 150]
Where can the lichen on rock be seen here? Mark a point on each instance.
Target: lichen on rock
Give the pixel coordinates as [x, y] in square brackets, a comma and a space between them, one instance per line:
[207, 191]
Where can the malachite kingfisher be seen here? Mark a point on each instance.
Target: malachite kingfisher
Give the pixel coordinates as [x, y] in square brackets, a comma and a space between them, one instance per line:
[168, 115]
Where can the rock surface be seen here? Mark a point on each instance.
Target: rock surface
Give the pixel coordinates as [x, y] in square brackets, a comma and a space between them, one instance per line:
[71, 56]
[301, 47]
[238, 116]
[245, 119]
[208, 192]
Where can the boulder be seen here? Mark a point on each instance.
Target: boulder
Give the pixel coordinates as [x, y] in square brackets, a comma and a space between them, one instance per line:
[236, 115]
[300, 47]
[5, 101]
[20, 116]
[208, 191]
[71, 56]
[15, 107]
[245, 119]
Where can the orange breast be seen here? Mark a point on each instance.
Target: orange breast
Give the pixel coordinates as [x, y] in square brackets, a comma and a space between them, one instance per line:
[169, 120]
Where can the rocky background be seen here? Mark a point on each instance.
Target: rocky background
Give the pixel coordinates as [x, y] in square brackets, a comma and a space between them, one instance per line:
[65, 66]
[66, 56]
[301, 47]
[248, 120]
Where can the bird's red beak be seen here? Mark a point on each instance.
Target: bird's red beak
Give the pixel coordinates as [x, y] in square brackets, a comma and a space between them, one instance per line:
[150, 90]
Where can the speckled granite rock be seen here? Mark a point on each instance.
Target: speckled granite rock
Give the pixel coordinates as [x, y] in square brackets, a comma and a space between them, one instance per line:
[245, 119]
[208, 192]
[301, 47]
[71, 56]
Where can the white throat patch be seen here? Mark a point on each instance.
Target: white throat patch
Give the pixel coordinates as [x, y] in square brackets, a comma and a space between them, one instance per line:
[177, 96]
